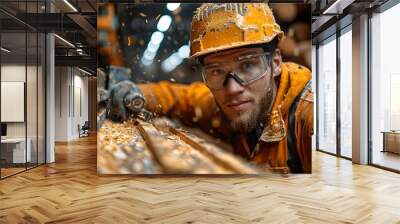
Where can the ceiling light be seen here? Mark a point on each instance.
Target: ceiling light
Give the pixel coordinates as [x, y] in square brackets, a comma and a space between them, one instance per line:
[70, 5]
[164, 23]
[5, 50]
[173, 6]
[65, 41]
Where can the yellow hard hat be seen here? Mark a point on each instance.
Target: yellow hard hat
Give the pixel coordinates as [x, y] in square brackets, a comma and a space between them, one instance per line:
[222, 26]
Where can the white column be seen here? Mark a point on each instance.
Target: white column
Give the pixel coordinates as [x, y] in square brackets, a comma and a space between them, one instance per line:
[360, 90]
[50, 92]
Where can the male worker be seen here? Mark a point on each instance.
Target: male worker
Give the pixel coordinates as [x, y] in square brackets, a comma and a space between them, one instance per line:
[262, 106]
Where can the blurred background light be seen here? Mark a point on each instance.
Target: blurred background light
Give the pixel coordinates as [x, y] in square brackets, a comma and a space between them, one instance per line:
[146, 61]
[173, 6]
[171, 62]
[184, 51]
[157, 37]
[152, 47]
[149, 55]
[164, 23]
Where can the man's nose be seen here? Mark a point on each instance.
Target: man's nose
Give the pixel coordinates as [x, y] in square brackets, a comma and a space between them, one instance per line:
[232, 87]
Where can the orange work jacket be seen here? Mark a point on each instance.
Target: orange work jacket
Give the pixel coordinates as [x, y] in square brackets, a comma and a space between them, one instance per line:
[195, 104]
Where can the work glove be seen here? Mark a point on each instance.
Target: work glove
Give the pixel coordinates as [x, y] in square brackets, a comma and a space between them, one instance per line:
[125, 98]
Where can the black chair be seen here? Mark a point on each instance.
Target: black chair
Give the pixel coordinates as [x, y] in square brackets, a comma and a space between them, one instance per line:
[84, 130]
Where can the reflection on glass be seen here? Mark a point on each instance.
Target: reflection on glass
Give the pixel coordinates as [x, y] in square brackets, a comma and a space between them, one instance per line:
[23, 86]
[385, 86]
[13, 84]
[346, 94]
[327, 97]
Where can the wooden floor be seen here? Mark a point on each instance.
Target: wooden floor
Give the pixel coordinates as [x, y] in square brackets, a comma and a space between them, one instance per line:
[10, 171]
[387, 159]
[70, 191]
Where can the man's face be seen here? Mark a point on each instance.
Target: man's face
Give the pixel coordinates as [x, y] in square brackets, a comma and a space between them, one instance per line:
[244, 105]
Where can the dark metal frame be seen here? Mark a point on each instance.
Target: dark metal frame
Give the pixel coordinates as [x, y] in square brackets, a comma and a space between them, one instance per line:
[338, 98]
[369, 103]
[316, 96]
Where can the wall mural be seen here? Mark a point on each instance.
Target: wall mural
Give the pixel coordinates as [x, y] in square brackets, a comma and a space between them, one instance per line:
[215, 88]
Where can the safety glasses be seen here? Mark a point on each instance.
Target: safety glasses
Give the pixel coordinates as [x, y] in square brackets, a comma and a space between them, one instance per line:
[244, 70]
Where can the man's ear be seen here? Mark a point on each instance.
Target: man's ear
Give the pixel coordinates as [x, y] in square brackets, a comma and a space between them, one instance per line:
[277, 63]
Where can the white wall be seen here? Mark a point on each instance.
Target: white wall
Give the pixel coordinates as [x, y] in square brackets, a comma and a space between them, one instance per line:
[61, 103]
[71, 94]
[81, 103]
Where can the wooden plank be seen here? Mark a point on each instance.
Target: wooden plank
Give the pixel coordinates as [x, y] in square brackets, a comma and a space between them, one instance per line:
[217, 155]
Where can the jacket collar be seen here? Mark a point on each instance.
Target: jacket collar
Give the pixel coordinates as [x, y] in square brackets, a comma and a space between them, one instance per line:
[292, 81]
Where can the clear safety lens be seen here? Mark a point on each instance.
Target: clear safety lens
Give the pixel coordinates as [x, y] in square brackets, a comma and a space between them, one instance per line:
[245, 70]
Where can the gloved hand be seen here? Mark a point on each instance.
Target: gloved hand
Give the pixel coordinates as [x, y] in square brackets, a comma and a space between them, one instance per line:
[125, 98]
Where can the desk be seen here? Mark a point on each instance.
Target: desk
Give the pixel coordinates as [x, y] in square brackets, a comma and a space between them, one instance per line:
[15, 148]
[391, 141]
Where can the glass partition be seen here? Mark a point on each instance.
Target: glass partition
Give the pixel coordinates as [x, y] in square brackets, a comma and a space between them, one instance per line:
[327, 96]
[14, 151]
[22, 88]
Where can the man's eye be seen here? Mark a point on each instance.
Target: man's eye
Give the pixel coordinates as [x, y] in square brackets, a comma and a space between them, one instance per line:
[217, 72]
[246, 66]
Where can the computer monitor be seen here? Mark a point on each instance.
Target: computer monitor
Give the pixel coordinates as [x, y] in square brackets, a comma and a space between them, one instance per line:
[3, 129]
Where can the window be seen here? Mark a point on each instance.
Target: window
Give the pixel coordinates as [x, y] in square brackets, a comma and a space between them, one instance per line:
[385, 89]
[327, 96]
[346, 92]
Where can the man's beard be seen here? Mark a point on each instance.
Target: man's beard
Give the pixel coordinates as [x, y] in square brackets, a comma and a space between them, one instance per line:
[246, 122]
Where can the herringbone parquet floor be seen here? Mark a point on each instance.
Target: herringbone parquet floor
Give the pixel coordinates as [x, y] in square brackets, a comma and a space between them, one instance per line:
[70, 191]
